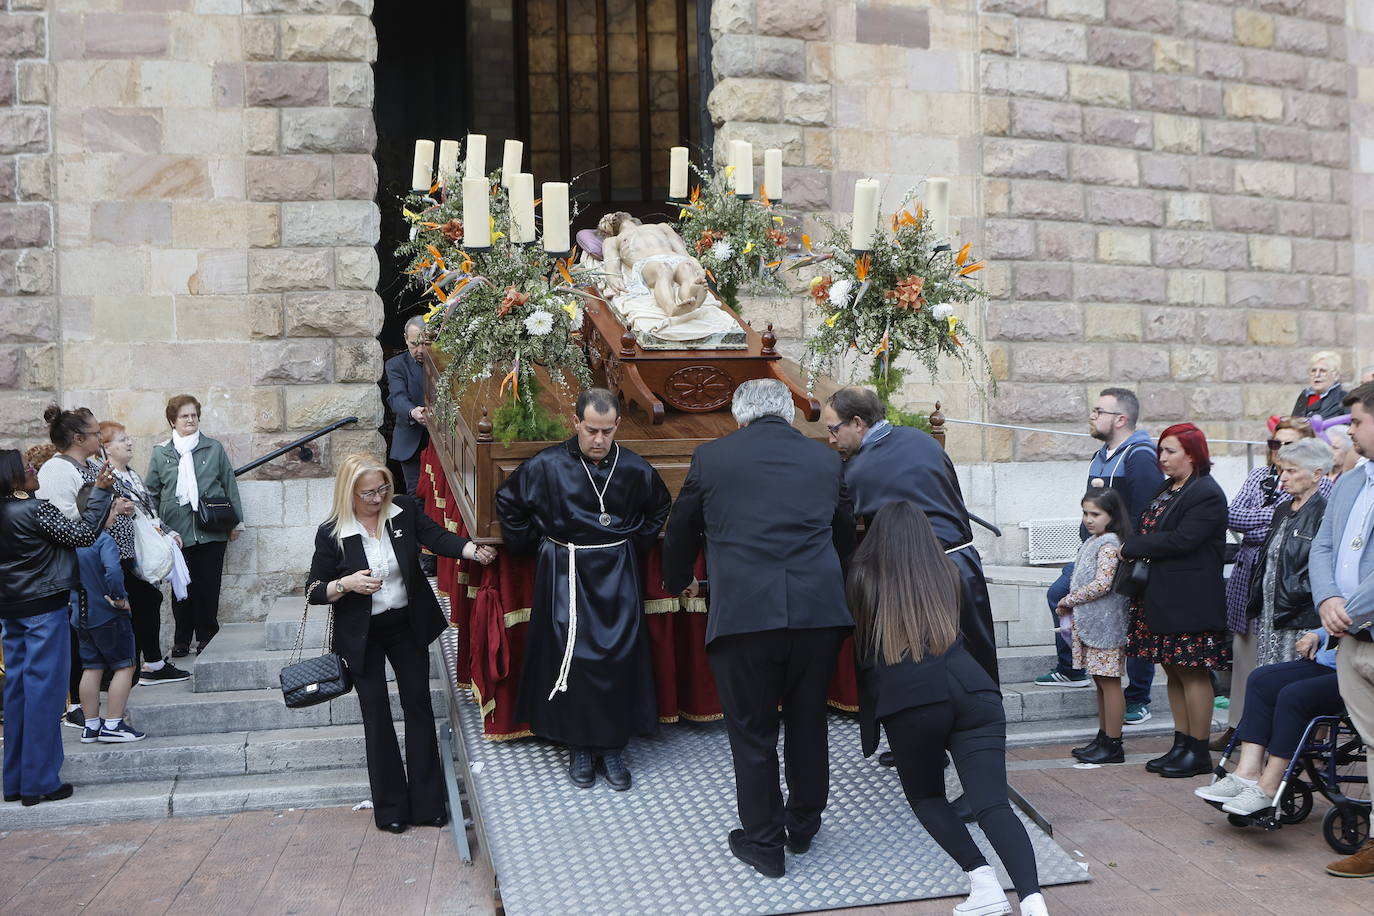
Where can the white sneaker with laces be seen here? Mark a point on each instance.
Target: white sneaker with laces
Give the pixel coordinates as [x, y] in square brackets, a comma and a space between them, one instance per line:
[1223, 790]
[986, 897]
[1250, 800]
[1034, 905]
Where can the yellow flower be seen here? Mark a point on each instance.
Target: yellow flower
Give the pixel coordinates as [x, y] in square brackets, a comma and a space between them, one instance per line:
[683, 214]
[830, 322]
[815, 282]
[729, 170]
[778, 220]
[434, 309]
[571, 309]
[748, 248]
[953, 323]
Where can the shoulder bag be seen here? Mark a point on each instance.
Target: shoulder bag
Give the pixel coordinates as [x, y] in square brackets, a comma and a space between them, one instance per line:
[316, 680]
[1131, 577]
[216, 513]
[152, 550]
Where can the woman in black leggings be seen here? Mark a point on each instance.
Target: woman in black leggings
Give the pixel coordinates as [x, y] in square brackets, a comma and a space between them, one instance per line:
[917, 680]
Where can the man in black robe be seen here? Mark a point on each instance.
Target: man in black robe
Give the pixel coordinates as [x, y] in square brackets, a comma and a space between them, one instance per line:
[591, 509]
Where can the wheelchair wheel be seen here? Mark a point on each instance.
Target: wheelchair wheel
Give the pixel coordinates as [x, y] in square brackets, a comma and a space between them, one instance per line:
[1346, 828]
[1296, 804]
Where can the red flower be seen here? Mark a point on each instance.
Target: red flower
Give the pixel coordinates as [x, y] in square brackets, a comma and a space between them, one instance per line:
[907, 295]
[513, 298]
[453, 230]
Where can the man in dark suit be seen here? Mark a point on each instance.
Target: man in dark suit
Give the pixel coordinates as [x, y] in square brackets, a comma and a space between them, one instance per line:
[405, 384]
[771, 508]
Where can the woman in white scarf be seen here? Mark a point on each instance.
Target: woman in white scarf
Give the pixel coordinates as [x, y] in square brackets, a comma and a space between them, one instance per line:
[186, 468]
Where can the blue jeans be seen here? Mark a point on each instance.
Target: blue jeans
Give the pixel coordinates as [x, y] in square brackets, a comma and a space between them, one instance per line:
[37, 658]
[1140, 672]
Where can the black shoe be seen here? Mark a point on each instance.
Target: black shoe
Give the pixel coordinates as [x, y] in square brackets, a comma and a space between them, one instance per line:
[1180, 745]
[74, 718]
[180, 651]
[798, 844]
[200, 646]
[1196, 760]
[439, 821]
[766, 865]
[1090, 747]
[1108, 750]
[617, 775]
[582, 769]
[167, 674]
[394, 827]
[963, 809]
[61, 792]
[12, 798]
[887, 759]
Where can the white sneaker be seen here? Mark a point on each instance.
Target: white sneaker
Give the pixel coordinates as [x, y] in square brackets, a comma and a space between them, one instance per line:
[1250, 800]
[986, 897]
[1034, 905]
[1223, 790]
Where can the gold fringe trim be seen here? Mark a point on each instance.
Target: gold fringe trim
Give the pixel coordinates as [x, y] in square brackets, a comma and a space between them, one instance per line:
[462, 578]
[517, 617]
[841, 706]
[511, 737]
[485, 708]
[439, 502]
[451, 526]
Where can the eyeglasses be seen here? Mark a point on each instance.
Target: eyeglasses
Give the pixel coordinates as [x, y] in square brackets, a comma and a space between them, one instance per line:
[1275, 444]
[379, 493]
[1098, 411]
[836, 427]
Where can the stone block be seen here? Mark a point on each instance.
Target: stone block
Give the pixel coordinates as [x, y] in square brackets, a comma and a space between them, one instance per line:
[261, 131]
[1042, 281]
[1238, 214]
[1009, 239]
[313, 406]
[1293, 219]
[355, 177]
[357, 360]
[124, 34]
[1125, 207]
[1161, 92]
[1034, 321]
[1100, 86]
[171, 270]
[258, 35]
[746, 100]
[1066, 242]
[134, 222]
[286, 269]
[29, 320]
[297, 178]
[1330, 221]
[1025, 159]
[1046, 120]
[1046, 39]
[1109, 283]
[1271, 253]
[1276, 329]
[1046, 200]
[1215, 250]
[1312, 183]
[35, 178]
[733, 17]
[1254, 29]
[1168, 325]
[1314, 256]
[1322, 76]
[356, 268]
[1191, 364]
[1215, 175]
[1022, 402]
[221, 272]
[1301, 36]
[1176, 134]
[328, 38]
[1111, 322]
[104, 272]
[25, 226]
[759, 56]
[293, 362]
[1220, 61]
[1173, 55]
[1118, 128]
[330, 223]
[202, 131]
[336, 314]
[286, 85]
[176, 84]
[211, 317]
[265, 316]
[1059, 362]
[892, 25]
[160, 177]
[1188, 211]
[1255, 290]
[23, 130]
[1136, 363]
[1123, 246]
[1206, 21]
[35, 272]
[1216, 402]
[328, 130]
[1222, 326]
[1166, 171]
[1228, 138]
[23, 35]
[1105, 165]
[1089, 11]
[805, 103]
[1319, 330]
[1330, 148]
[1120, 49]
[21, 416]
[1336, 293]
[1256, 103]
[1265, 179]
[1271, 68]
[1161, 16]
[791, 18]
[997, 34]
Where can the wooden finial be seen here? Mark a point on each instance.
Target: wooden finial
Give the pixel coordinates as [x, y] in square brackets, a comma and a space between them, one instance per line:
[484, 427]
[770, 341]
[628, 344]
[937, 424]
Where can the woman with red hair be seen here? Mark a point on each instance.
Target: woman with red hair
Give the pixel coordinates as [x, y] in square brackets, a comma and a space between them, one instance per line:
[1180, 621]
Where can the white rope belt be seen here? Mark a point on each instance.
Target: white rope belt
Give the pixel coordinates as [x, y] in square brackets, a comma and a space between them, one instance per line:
[959, 548]
[561, 685]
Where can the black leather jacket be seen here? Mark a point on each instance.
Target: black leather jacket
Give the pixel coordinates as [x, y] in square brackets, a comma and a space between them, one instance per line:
[37, 547]
[1293, 607]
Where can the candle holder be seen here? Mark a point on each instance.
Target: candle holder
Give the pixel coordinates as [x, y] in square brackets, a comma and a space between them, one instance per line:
[860, 252]
[478, 249]
[744, 196]
[559, 255]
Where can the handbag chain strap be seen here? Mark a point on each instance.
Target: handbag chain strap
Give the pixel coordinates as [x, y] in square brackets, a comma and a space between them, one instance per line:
[299, 648]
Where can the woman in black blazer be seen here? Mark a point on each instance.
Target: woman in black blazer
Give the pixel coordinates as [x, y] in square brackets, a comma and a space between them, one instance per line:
[1180, 622]
[918, 680]
[367, 564]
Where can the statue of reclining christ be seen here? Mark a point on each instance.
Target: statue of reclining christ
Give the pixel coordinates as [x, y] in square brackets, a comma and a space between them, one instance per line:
[659, 289]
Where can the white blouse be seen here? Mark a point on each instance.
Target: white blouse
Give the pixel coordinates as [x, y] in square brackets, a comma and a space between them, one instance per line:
[381, 559]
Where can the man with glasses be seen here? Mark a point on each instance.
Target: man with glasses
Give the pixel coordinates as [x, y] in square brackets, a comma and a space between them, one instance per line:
[1323, 395]
[405, 385]
[1126, 463]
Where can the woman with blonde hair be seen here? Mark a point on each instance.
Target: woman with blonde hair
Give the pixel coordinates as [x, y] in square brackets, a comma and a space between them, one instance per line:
[367, 564]
[920, 683]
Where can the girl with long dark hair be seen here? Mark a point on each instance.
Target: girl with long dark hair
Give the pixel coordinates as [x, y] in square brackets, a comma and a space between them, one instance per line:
[918, 681]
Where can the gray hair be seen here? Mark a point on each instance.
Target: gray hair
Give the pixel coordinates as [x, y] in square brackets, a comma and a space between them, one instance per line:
[1308, 454]
[1339, 438]
[761, 397]
[415, 321]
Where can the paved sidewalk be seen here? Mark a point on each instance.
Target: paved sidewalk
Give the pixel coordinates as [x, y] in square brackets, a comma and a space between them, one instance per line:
[1151, 847]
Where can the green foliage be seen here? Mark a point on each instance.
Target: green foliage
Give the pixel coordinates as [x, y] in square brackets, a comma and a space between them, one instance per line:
[740, 242]
[884, 384]
[516, 420]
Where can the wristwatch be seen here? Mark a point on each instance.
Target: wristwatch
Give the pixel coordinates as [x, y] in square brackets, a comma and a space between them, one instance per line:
[338, 586]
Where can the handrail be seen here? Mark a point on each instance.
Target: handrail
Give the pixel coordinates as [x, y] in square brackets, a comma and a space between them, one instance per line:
[306, 454]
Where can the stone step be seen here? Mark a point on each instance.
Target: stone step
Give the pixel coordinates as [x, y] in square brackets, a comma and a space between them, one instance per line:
[284, 623]
[239, 659]
[1018, 663]
[171, 796]
[175, 709]
[1028, 702]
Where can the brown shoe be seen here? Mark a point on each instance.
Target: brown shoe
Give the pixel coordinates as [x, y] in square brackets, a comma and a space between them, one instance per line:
[1360, 865]
[1222, 741]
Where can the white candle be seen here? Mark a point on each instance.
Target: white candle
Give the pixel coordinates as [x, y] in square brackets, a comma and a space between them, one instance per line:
[937, 204]
[772, 173]
[677, 172]
[448, 160]
[865, 214]
[510, 161]
[744, 168]
[477, 156]
[521, 207]
[421, 175]
[555, 194]
[476, 213]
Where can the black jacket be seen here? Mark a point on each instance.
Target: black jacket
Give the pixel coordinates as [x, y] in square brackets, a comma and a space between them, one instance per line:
[352, 613]
[1185, 592]
[1293, 607]
[1327, 406]
[38, 553]
[771, 509]
[887, 689]
[405, 390]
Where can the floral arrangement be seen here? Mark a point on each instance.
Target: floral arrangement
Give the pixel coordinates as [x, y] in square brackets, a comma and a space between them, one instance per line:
[497, 313]
[903, 296]
[740, 242]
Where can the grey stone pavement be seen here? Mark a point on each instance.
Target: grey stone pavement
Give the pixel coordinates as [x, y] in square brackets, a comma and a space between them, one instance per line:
[1151, 847]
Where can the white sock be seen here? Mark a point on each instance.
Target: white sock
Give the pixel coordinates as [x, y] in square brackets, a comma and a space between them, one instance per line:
[1034, 905]
[154, 666]
[73, 706]
[113, 723]
[1246, 782]
[93, 724]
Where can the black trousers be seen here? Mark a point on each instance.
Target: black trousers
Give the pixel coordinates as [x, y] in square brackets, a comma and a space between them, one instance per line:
[975, 611]
[973, 728]
[145, 606]
[413, 792]
[1280, 700]
[755, 672]
[198, 615]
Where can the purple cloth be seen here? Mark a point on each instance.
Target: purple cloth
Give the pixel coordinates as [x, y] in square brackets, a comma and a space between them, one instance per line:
[589, 240]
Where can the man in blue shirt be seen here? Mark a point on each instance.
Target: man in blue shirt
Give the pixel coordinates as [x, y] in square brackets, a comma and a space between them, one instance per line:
[100, 613]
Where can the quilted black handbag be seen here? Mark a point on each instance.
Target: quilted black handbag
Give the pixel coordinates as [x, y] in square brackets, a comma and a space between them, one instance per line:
[312, 681]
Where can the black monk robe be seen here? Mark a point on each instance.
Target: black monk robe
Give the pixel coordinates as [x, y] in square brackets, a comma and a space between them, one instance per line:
[546, 505]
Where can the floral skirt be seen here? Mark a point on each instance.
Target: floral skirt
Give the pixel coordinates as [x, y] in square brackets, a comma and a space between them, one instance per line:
[1097, 662]
[1209, 649]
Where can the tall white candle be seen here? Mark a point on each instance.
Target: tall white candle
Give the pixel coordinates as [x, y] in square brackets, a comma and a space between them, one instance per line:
[555, 194]
[421, 174]
[937, 203]
[865, 214]
[448, 160]
[744, 168]
[476, 213]
[521, 207]
[677, 172]
[772, 173]
[477, 156]
[510, 161]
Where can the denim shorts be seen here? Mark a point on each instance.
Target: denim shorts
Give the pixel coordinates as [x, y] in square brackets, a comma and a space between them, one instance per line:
[110, 645]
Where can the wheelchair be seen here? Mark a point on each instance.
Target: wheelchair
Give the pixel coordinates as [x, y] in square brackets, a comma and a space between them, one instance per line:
[1330, 760]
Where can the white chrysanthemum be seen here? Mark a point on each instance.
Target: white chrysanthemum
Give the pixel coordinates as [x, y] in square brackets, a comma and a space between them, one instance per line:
[539, 323]
[839, 293]
[722, 250]
[942, 311]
